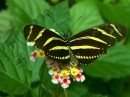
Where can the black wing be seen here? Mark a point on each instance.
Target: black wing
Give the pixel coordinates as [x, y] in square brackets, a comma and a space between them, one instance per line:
[90, 44]
[53, 45]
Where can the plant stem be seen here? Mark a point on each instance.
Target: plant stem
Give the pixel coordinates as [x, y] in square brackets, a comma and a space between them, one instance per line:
[65, 92]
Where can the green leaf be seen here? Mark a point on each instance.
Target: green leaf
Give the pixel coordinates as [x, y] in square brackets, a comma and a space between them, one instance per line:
[127, 44]
[57, 19]
[6, 21]
[80, 90]
[79, 0]
[19, 48]
[116, 13]
[14, 73]
[26, 51]
[24, 11]
[46, 84]
[94, 95]
[117, 86]
[77, 90]
[115, 64]
[89, 14]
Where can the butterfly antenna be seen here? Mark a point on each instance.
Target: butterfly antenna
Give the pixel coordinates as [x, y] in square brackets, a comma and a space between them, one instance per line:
[56, 23]
[75, 22]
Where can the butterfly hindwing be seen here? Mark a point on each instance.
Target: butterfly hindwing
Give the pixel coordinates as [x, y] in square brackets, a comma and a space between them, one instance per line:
[90, 44]
[53, 45]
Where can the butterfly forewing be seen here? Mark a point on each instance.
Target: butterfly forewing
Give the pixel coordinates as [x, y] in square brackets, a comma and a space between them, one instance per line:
[90, 44]
[53, 45]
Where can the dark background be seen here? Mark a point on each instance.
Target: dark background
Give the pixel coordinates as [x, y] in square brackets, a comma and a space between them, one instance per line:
[2, 4]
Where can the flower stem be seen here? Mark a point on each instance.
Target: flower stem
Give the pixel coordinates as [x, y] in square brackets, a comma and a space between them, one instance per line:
[65, 92]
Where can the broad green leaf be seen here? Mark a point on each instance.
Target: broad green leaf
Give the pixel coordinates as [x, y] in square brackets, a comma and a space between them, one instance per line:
[79, 0]
[58, 19]
[24, 11]
[117, 86]
[115, 64]
[126, 2]
[7, 36]
[116, 13]
[77, 90]
[6, 21]
[11, 96]
[94, 95]
[23, 52]
[26, 51]
[45, 80]
[89, 14]
[127, 40]
[14, 73]
[16, 37]
[126, 94]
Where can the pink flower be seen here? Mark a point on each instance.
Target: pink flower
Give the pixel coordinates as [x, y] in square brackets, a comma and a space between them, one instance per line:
[54, 70]
[65, 81]
[56, 78]
[50, 63]
[80, 69]
[34, 55]
[80, 77]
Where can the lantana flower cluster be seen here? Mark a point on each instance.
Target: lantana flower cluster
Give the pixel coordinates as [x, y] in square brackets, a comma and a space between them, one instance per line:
[60, 74]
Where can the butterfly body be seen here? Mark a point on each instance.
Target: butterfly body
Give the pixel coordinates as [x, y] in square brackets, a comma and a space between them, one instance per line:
[85, 46]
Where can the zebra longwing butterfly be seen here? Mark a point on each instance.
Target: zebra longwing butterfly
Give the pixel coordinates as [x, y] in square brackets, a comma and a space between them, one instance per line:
[85, 46]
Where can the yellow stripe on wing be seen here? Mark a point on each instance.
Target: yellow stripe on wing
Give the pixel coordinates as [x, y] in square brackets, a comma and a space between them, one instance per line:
[59, 48]
[40, 34]
[89, 37]
[104, 32]
[52, 38]
[83, 47]
[31, 27]
[114, 27]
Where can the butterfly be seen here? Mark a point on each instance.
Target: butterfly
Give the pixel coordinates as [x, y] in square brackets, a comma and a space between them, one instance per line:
[85, 47]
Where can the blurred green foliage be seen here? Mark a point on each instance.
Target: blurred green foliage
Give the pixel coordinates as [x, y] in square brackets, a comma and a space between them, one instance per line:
[109, 76]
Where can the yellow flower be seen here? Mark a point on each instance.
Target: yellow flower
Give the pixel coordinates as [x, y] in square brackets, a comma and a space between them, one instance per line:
[41, 53]
[64, 73]
[74, 71]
